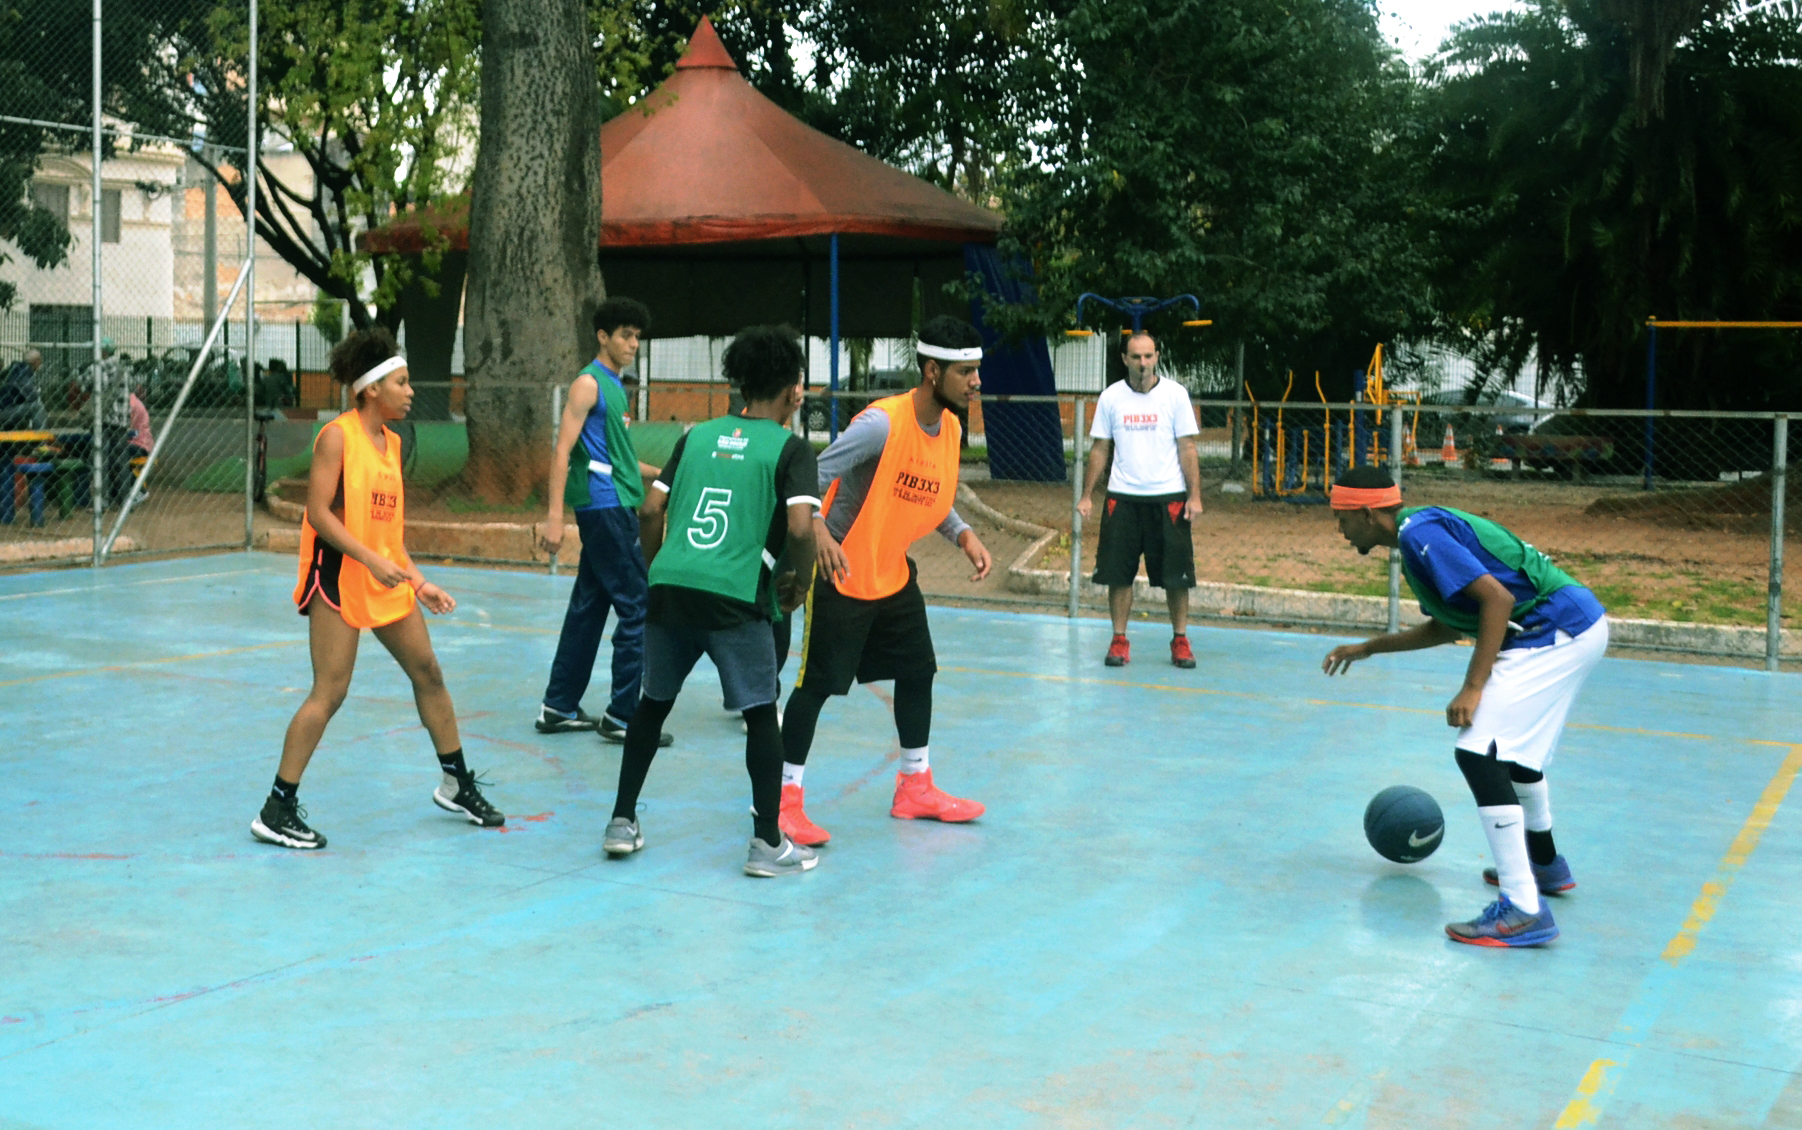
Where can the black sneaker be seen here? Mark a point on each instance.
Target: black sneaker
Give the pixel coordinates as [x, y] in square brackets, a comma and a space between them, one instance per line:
[615, 732]
[283, 822]
[468, 800]
[556, 722]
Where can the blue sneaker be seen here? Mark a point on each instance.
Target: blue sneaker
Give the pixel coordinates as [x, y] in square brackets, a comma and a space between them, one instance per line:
[1553, 879]
[1504, 924]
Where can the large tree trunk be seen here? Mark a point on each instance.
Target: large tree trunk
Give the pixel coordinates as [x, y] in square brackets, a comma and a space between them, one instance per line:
[534, 234]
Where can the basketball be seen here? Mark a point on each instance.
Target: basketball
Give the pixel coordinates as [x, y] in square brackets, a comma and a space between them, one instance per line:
[1404, 824]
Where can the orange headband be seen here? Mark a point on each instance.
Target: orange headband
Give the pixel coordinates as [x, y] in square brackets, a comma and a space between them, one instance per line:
[1356, 498]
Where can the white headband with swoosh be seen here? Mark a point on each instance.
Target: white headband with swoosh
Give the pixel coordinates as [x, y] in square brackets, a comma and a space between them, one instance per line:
[377, 373]
[941, 353]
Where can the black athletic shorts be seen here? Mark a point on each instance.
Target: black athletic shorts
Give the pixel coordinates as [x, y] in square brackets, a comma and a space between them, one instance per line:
[866, 640]
[1151, 526]
[322, 576]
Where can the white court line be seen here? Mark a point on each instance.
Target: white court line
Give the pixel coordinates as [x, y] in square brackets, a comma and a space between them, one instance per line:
[124, 584]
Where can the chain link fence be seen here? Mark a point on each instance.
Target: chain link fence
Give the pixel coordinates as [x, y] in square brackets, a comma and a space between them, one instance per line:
[129, 393]
[1684, 524]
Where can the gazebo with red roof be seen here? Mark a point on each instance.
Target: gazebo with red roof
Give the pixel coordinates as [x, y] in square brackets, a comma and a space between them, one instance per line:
[720, 210]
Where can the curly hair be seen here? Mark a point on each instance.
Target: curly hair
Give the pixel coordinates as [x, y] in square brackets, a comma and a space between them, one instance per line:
[361, 351]
[619, 311]
[763, 361]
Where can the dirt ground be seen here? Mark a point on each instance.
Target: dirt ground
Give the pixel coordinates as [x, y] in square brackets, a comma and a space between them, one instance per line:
[1678, 563]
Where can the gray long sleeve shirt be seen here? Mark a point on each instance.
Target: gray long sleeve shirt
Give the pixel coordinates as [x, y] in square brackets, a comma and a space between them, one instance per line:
[852, 460]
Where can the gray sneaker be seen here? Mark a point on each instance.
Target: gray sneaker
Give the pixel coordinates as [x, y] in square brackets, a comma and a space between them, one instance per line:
[623, 837]
[786, 858]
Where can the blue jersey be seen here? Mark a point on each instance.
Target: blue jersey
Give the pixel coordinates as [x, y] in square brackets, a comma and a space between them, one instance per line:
[1443, 551]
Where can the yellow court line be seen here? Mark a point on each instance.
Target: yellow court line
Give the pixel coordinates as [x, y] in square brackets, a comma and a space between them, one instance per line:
[1584, 1109]
[147, 663]
[1737, 853]
[125, 584]
[1085, 680]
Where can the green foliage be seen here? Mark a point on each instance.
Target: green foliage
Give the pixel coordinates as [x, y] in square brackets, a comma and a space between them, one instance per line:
[1255, 153]
[944, 88]
[46, 67]
[379, 97]
[1611, 161]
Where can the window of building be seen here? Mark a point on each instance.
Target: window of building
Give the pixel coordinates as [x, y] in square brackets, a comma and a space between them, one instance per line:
[110, 204]
[52, 198]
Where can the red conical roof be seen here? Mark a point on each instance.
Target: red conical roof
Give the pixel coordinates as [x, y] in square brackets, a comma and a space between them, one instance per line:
[707, 159]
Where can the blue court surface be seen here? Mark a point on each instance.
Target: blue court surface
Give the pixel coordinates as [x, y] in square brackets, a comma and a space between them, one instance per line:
[1169, 916]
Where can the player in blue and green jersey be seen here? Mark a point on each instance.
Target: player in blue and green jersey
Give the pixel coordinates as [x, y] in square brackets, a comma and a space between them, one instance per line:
[597, 470]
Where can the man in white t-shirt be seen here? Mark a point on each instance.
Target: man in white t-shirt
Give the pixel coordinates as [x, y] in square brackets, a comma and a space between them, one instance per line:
[1148, 427]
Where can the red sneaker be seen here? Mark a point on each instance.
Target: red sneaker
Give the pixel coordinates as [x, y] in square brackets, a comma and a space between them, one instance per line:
[1180, 654]
[794, 822]
[1119, 653]
[917, 799]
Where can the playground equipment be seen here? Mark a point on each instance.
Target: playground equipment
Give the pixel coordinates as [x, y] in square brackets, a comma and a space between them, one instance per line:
[1302, 449]
[1137, 310]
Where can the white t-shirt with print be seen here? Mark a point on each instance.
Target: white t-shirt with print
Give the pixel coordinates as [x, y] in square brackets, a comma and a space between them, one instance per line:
[1144, 428]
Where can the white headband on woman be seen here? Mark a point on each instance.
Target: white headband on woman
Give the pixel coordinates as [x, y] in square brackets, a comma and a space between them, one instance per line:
[377, 373]
[941, 353]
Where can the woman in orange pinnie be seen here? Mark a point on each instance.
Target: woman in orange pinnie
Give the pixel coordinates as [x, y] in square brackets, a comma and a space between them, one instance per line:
[355, 574]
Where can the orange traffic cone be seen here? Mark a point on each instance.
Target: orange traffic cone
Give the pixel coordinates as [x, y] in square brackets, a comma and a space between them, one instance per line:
[1448, 451]
[1410, 454]
[1500, 464]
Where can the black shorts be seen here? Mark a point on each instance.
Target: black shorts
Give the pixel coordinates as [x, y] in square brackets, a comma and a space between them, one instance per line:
[322, 576]
[865, 640]
[1151, 526]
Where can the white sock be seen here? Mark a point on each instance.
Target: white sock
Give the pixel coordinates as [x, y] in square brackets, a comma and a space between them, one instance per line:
[791, 773]
[1536, 804]
[914, 761]
[1507, 832]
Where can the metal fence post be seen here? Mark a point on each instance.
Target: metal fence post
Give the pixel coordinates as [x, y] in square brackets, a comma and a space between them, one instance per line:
[1395, 553]
[1077, 475]
[556, 426]
[1773, 625]
[250, 290]
[96, 479]
[1238, 410]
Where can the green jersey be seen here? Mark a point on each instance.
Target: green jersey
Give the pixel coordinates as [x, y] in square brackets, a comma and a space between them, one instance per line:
[722, 501]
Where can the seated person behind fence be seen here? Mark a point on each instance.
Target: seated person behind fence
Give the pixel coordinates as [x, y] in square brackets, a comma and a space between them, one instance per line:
[110, 380]
[21, 403]
[1153, 489]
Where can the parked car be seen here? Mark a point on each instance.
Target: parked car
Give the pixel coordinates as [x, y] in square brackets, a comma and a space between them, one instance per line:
[816, 409]
[1474, 429]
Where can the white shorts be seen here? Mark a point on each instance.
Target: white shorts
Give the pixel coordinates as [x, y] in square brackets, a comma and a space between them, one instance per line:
[1529, 693]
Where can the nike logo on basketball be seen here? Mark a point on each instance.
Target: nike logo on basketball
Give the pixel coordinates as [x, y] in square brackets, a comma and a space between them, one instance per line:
[1415, 839]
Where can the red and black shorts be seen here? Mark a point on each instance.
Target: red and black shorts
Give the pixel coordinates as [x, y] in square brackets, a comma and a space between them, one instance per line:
[1148, 526]
[322, 576]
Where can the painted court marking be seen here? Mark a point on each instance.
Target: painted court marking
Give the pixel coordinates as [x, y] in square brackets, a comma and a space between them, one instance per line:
[123, 584]
[1384, 706]
[136, 664]
[1604, 1074]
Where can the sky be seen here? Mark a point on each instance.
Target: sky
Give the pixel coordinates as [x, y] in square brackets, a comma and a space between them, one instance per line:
[1419, 26]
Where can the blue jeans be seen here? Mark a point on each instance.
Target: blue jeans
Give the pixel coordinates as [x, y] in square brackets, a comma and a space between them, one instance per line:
[611, 574]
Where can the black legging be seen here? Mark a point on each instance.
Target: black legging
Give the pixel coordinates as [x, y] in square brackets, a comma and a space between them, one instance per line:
[763, 761]
[913, 717]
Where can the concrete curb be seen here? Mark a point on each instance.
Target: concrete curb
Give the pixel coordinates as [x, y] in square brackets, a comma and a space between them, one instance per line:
[18, 552]
[1299, 606]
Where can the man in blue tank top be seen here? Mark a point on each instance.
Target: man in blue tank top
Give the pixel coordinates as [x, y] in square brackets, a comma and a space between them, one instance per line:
[596, 468]
[1536, 636]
